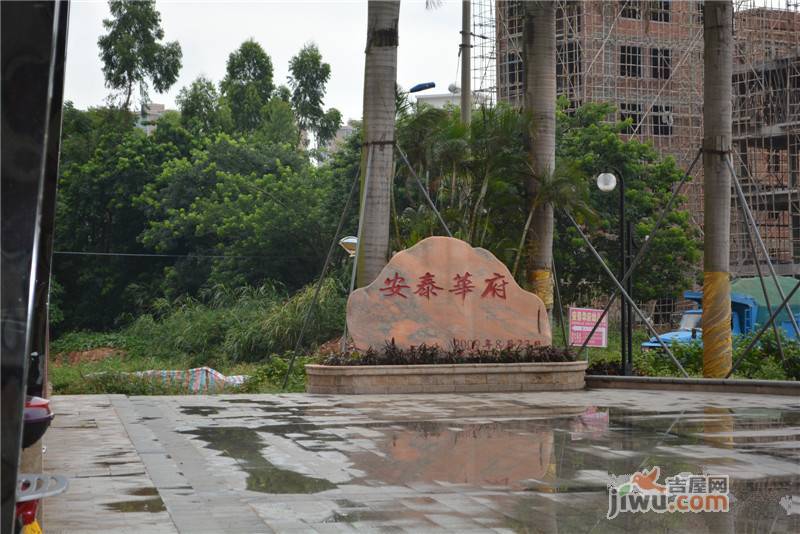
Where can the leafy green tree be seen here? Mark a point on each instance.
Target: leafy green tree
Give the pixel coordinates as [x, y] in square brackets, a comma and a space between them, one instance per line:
[328, 126]
[95, 214]
[478, 177]
[169, 131]
[202, 110]
[475, 173]
[284, 93]
[309, 76]
[259, 202]
[248, 85]
[278, 124]
[132, 52]
[594, 145]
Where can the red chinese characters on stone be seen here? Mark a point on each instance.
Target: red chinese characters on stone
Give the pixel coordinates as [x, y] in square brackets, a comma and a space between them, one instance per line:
[394, 286]
[427, 286]
[495, 287]
[463, 285]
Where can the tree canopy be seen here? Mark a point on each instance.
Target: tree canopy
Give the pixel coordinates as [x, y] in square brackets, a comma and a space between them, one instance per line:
[247, 85]
[308, 79]
[133, 53]
[204, 201]
[202, 110]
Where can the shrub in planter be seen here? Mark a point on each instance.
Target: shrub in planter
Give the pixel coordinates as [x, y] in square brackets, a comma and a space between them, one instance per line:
[433, 355]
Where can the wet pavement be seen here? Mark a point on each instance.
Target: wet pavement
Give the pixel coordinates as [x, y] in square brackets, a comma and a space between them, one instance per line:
[522, 462]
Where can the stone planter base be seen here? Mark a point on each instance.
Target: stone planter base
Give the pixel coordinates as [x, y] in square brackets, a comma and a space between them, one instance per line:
[455, 378]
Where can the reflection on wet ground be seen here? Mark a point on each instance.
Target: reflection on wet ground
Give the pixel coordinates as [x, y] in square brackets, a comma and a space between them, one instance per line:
[152, 505]
[533, 462]
[244, 446]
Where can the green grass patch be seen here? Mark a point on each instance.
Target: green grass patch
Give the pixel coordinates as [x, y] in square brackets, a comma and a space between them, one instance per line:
[249, 331]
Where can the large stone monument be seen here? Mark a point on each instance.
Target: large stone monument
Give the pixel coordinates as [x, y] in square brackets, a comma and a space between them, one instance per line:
[444, 292]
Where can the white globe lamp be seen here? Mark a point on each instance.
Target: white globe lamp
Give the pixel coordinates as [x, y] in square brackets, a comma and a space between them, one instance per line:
[606, 182]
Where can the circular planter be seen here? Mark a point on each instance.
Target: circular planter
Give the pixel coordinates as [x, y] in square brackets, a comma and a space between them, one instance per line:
[450, 378]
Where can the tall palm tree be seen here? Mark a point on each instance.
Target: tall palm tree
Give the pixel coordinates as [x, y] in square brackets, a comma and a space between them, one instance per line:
[377, 154]
[539, 61]
[718, 54]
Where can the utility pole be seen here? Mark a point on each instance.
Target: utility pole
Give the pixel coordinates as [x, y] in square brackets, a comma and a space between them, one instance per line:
[466, 64]
[718, 68]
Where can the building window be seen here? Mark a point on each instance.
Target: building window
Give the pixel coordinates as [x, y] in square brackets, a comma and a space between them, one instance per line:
[514, 17]
[633, 112]
[631, 9]
[568, 68]
[661, 63]
[630, 61]
[774, 162]
[514, 66]
[661, 119]
[700, 14]
[660, 10]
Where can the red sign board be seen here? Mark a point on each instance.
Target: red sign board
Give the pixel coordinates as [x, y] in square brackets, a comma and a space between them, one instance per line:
[581, 322]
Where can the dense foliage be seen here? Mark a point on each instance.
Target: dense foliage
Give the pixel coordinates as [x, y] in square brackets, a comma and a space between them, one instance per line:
[226, 195]
[231, 209]
[764, 361]
[477, 177]
[214, 196]
[391, 354]
[250, 331]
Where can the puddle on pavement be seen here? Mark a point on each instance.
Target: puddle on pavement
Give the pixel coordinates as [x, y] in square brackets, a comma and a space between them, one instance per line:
[144, 492]
[347, 503]
[108, 463]
[200, 410]
[244, 446]
[152, 506]
[250, 401]
[539, 453]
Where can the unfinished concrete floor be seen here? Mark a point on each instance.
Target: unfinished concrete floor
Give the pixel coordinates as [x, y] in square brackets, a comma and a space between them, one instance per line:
[523, 462]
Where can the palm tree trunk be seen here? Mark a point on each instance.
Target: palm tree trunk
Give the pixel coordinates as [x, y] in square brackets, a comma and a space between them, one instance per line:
[380, 76]
[539, 60]
[718, 39]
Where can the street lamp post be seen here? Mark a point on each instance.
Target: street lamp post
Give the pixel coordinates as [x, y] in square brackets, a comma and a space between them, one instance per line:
[607, 182]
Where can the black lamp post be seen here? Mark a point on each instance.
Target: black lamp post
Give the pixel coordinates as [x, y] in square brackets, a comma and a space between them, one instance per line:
[607, 182]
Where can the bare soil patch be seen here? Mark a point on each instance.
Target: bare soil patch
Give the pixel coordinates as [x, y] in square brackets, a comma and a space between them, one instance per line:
[92, 355]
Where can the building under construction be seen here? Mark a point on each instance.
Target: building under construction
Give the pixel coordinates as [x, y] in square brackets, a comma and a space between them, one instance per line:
[646, 57]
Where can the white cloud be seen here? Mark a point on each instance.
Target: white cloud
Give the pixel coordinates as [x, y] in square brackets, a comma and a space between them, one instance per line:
[209, 31]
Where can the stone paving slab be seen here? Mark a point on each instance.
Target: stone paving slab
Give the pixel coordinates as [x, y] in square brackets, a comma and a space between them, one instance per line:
[522, 462]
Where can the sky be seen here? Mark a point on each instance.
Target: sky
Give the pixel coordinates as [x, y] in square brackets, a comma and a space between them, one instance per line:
[209, 31]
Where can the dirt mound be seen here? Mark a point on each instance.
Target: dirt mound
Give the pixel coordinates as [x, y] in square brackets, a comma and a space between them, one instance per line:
[92, 355]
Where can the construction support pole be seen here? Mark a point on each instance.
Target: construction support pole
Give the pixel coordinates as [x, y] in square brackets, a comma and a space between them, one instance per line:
[624, 293]
[645, 246]
[717, 69]
[466, 61]
[315, 297]
[752, 229]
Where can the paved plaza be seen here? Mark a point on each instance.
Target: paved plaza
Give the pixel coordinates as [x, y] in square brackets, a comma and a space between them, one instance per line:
[522, 462]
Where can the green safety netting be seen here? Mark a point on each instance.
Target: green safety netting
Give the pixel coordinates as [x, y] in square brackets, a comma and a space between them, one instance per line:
[752, 287]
